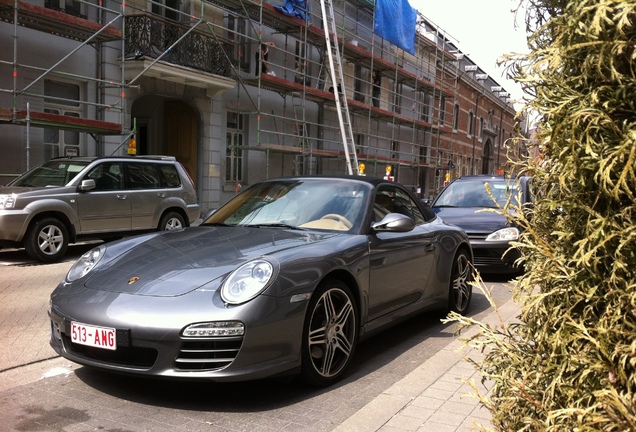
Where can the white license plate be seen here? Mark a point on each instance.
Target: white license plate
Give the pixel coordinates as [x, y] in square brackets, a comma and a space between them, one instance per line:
[99, 337]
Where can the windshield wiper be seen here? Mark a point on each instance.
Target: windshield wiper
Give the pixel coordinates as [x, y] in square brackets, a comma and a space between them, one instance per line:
[275, 225]
[445, 206]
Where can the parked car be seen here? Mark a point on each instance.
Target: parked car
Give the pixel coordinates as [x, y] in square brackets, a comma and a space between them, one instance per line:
[286, 278]
[462, 203]
[66, 200]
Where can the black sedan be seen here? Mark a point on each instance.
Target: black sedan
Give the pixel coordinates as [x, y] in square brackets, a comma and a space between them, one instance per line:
[463, 202]
[286, 278]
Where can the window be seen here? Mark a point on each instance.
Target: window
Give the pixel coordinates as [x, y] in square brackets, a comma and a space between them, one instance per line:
[455, 117]
[62, 98]
[71, 7]
[170, 175]
[397, 98]
[471, 120]
[424, 154]
[442, 110]
[303, 74]
[143, 176]
[359, 139]
[234, 144]
[166, 8]
[425, 104]
[395, 150]
[237, 31]
[108, 176]
[481, 128]
[357, 83]
[395, 200]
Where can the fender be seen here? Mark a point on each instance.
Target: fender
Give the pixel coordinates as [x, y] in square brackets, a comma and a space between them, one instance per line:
[67, 206]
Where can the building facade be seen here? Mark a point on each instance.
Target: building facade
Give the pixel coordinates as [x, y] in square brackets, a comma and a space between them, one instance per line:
[240, 91]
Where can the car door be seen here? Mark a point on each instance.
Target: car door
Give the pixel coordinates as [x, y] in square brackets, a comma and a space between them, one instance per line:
[106, 208]
[400, 262]
[146, 193]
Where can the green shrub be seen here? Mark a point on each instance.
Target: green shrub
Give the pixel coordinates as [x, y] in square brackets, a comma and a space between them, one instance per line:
[569, 363]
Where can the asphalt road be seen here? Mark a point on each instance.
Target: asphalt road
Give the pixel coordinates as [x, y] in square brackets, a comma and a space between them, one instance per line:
[40, 391]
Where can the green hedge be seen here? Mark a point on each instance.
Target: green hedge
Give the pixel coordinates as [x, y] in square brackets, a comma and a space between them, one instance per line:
[569, 364]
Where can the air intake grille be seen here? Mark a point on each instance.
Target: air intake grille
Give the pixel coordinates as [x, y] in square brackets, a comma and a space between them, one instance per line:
[208, 354]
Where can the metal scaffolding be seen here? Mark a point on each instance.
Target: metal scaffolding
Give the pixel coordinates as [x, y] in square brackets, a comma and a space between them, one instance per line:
[390, 103]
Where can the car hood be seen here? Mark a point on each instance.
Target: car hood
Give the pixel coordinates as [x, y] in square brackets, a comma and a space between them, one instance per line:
[473, 220]
[40, 190]
[176, 262]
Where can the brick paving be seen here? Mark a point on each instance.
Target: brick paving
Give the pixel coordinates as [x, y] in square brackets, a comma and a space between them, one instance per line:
[412, 380]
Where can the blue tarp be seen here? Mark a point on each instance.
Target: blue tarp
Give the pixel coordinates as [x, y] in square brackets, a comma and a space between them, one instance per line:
[395, 21]
[294, 8]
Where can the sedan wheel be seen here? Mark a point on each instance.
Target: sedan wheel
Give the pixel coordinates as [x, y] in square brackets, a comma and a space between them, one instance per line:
[461, 289]
[330, 334]
[47, 240]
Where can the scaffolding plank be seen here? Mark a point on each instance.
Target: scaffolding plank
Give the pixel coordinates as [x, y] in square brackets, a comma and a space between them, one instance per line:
[42, 119]
[55, 22]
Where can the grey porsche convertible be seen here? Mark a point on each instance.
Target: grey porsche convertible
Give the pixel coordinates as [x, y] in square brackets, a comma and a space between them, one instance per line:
[286, 278]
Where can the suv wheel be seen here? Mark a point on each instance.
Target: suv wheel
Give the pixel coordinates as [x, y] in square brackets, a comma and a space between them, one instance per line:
[171, 221]
[47, 240]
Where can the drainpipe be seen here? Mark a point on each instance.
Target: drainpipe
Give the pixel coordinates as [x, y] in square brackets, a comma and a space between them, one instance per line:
[478, 78]
[474, 133]
[500, 138]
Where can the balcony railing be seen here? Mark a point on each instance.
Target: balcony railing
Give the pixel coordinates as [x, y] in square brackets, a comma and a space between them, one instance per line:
[150, 37]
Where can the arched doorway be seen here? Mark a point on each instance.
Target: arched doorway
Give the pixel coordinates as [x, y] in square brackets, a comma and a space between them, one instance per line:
[169, 127]
[487, 157]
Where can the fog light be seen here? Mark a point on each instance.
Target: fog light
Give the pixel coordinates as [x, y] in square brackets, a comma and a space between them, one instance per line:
[210, 329]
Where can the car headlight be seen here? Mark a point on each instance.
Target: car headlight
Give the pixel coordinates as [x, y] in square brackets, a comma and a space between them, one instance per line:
[85, 264]
[248, 281]
[7, 201]
[505, 234]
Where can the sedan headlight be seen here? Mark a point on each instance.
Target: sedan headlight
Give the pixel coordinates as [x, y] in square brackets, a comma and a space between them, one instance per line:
[505, 234]
[85, 264]
[248, 281]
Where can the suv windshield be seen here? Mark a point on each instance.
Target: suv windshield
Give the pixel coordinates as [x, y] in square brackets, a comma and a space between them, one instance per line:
[53, 173]
[473, 193]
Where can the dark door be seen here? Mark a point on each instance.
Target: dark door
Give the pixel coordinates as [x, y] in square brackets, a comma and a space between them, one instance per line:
[181, 135]
[400, 263]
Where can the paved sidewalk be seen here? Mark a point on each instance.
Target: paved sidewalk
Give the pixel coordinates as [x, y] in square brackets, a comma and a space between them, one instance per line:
[435, 397]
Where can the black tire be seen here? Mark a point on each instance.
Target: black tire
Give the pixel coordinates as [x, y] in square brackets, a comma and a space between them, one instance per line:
[171, 221]
[461, 290]
[330, 334]
[46, 240]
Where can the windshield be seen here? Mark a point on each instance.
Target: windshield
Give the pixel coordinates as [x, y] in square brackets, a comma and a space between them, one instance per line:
[473, 193]
[329, 204]
[53, 173]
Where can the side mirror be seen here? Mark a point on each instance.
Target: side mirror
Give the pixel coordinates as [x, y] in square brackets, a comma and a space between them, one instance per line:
[394, 222]
[87, 185]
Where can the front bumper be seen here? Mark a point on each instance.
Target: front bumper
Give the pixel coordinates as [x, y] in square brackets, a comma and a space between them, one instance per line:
[495, 257]
[149, 340]
[13, 224]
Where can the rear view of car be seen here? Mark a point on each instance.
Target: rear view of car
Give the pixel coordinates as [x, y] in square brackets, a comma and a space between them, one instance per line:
[462, 203]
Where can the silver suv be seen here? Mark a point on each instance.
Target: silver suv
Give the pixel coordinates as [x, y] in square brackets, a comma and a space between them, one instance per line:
[66, 200]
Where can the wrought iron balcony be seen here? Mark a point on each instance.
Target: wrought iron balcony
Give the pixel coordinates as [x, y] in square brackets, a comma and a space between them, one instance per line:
[150, 36]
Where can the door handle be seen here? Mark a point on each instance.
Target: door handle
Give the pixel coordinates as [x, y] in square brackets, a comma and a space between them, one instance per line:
[429, 247]
[161, 194]
[122, 196]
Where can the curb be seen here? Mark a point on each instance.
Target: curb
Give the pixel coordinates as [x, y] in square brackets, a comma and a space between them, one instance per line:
[392, 410]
